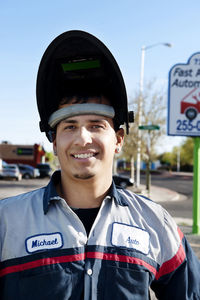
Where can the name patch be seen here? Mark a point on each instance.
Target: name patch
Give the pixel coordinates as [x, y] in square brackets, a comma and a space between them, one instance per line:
[128, 236]
[44, 242]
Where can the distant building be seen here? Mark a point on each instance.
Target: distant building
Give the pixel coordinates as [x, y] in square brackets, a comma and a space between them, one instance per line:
[122, 164]
[153, 165]
[22, 154]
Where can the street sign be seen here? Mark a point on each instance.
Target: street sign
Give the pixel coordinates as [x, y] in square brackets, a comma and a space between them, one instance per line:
[184, 98]
[149, 127]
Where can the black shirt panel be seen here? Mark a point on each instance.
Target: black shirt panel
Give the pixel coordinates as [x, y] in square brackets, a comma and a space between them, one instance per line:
[87, 216]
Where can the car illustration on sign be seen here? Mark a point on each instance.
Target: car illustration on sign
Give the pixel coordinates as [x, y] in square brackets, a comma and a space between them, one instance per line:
[190, 104]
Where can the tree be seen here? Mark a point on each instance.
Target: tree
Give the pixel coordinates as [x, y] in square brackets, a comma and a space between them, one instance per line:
[185, 150]
[167, 159]
[153, 112]
[52, 159]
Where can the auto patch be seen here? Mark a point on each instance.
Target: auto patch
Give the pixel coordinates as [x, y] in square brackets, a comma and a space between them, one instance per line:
[128, 236]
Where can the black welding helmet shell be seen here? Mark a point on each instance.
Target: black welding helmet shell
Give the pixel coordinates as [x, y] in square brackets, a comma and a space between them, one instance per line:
[77, 63]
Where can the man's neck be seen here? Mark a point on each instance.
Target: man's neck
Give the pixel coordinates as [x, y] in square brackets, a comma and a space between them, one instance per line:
[84, 193]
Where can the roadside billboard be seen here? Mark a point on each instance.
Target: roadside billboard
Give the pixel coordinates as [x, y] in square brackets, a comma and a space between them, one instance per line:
[184, 98]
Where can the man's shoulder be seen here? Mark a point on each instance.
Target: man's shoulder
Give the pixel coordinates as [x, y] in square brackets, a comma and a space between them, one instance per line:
[20, 200]
[142, 204]
[132, 197]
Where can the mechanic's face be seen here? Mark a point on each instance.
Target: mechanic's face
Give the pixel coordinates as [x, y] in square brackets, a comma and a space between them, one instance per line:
[86, 145]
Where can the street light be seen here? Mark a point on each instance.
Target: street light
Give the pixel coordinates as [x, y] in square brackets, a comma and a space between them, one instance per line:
[143, 49]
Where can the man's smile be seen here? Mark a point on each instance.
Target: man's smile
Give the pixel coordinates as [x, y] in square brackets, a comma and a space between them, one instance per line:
[84, 155]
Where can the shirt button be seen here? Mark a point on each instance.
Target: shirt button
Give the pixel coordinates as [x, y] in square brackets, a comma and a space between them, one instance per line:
[89, 272]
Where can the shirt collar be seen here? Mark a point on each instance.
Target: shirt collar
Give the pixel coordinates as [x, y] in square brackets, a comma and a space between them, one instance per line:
[50, 193]
[114, 193]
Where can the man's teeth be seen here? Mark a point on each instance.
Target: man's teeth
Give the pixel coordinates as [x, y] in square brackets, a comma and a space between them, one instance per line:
[85, 155]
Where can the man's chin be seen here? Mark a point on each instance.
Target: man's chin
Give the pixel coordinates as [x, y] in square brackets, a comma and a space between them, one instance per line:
[84, 176]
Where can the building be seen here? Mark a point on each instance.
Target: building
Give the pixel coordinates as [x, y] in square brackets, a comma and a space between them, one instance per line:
[22, 154]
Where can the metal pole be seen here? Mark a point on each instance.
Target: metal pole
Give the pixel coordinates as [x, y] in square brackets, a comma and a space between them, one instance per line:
[140, 102]
[196, 187]
[148, 175]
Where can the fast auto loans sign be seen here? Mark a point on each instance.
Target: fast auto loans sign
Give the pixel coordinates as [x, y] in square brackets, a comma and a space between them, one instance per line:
[184, 98]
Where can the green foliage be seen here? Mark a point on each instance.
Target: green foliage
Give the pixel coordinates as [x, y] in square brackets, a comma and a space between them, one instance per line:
[187, 150]
[49, 157]
[167, 158]
[186, 155]
[52, 160]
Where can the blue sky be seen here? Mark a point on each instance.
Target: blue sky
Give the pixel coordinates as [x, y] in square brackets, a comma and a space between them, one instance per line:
[27, 28]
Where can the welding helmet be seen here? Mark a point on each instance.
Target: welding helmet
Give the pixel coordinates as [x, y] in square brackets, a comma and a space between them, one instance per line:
[77, 63]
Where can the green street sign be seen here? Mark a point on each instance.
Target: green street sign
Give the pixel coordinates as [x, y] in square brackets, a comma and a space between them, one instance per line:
[149, 127]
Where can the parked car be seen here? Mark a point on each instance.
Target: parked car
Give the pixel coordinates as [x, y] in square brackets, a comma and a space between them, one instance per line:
[28, 171]
[44, 170]
[2, 164]
[122, 180]
[11, 171]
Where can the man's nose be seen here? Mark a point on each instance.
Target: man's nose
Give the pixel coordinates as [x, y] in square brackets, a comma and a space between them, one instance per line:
[83, 137]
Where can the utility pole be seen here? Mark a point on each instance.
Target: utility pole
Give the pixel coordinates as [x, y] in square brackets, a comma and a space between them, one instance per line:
[140, 105]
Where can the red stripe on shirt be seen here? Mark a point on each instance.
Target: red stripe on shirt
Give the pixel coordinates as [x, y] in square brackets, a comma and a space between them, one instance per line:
[167, 267]
[41, 262]
[172, 264]
[121, 258]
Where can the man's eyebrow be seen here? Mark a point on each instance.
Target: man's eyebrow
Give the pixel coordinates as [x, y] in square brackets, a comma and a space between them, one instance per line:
[69, 121]
[96, 120]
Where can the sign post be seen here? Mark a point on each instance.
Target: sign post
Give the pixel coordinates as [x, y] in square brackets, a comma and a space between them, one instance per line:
[148, 177]
[184, 117]
[196, 186]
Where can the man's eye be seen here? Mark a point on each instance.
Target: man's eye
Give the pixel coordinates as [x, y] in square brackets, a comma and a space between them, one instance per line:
[69, 127]
[97, 126]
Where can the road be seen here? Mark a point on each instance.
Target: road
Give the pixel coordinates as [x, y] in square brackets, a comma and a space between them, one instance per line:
[10, 187]
[181, 183]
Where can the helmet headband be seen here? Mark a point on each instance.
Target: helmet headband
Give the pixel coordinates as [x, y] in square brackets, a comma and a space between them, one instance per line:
[80, 109]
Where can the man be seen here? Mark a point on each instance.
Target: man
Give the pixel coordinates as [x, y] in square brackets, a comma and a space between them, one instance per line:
[81, 237]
